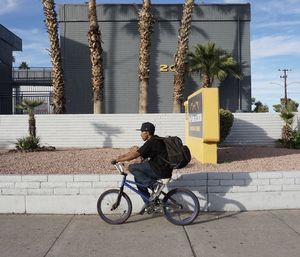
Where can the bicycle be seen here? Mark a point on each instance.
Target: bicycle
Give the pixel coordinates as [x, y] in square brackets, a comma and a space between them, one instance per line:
[180, 206]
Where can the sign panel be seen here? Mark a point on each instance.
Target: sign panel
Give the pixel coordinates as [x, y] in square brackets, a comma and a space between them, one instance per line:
[195, 116]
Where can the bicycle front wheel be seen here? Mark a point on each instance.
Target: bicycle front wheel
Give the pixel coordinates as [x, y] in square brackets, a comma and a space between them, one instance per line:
[181, 206]
[111, 211]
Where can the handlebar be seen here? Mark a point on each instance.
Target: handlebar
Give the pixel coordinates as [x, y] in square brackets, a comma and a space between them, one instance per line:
[119, 166]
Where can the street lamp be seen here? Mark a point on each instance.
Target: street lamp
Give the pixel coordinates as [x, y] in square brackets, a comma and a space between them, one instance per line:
[296, 82]
[285, 88]
[276, 84]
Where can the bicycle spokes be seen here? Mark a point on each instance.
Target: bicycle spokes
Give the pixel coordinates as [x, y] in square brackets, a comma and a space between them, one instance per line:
[113, 207]
[180, 206]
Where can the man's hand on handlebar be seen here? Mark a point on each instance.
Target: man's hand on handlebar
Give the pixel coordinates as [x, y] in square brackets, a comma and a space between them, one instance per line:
[120, 166]
[113, 162]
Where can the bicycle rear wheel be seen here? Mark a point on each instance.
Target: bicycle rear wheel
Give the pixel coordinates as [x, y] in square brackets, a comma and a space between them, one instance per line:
[181, 206]
[114, 214]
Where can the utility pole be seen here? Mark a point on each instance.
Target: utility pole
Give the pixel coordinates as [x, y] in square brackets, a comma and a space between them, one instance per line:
[284, 76]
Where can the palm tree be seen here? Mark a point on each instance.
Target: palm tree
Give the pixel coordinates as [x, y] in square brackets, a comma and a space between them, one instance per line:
[29, 105]
[179, 70]
[211, 61]
[24, 66]
[146, 22]
[94, 39]
[287, 130]
[58, 82]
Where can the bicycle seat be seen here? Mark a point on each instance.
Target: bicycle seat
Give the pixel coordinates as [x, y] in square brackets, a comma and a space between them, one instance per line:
[164, 181]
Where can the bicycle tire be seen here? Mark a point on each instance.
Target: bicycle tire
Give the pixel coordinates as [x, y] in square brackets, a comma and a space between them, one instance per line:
[105, 203]
[181, 206]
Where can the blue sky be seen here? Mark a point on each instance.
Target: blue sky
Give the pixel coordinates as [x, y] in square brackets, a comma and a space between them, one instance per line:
[275, 40]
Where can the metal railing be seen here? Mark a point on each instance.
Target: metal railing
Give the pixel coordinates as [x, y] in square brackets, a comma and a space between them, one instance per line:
[33, 84]
[8, 103]
[35, 73]
[45, 108]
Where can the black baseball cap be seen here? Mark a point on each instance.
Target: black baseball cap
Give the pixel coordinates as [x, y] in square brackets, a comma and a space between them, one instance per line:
[147, 126]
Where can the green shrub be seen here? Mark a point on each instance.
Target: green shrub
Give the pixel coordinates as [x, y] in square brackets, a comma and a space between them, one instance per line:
[28, 143]
[296, 139]
[226, 121]
[290, 138]
[259, 107]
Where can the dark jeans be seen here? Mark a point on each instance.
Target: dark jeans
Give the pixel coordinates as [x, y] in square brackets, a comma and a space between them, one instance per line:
[144, 175]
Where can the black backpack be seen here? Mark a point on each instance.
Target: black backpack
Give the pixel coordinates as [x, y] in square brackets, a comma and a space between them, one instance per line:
[179, 155]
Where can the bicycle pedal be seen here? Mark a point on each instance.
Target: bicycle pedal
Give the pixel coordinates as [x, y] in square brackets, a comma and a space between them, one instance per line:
[150, 210]
[157, 202]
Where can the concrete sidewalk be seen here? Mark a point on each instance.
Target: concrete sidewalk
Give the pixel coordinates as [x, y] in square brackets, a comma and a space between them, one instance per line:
[263, 234]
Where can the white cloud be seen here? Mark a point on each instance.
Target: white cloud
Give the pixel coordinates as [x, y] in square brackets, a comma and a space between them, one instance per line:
[35, 44]
[275, 46]
[277, 24]
[7, 6]
[279, 7]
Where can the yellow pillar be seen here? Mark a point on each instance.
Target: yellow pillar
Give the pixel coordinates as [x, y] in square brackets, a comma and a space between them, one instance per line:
[202, 125]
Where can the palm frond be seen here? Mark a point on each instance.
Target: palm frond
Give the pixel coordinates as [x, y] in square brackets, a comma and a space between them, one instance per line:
[213, 62]
[288, 117]
[27, 104]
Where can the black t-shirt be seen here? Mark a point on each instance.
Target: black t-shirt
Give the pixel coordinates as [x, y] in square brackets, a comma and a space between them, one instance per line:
[154, 148]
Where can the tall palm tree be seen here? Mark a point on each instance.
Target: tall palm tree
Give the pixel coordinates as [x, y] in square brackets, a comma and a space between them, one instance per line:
[179, 69]
[29, 105]
[57, 82]
[94, 39]
[212, 62]
[146, 22]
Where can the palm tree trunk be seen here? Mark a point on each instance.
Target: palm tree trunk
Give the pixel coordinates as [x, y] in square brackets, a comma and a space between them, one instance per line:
[58, 82]
[32, 127]
[206, 81]
[94, 39]
[184, 30]
[146, 21]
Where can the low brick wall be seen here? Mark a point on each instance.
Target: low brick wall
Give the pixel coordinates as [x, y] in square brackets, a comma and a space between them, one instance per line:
[222, 191]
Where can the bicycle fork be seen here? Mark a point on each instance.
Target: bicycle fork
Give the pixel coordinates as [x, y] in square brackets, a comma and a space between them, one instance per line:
[117, 203]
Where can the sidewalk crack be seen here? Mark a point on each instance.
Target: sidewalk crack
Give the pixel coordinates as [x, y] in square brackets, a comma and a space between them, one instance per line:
[285, 223]
[189, 241]
[58, 236]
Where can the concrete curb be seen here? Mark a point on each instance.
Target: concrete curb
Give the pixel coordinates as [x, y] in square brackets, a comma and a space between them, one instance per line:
[217, 191]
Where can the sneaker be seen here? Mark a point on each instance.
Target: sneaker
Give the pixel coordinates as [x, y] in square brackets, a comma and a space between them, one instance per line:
[158, 187]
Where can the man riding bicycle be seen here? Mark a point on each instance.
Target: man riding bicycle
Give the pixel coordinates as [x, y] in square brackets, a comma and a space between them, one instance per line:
[154, 166]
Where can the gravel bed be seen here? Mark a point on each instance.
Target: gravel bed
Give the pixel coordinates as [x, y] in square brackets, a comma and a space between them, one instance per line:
[97, 161]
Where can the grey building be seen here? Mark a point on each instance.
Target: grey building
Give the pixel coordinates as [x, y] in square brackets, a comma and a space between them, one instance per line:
[9, 42]
[226, 24]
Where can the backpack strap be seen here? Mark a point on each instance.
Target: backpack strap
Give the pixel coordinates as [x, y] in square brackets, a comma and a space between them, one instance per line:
[163, 159]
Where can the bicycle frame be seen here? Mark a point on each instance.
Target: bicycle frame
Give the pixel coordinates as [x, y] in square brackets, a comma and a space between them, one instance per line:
[127, 183]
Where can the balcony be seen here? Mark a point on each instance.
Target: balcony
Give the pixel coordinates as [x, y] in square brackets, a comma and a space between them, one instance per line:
[36, 76]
